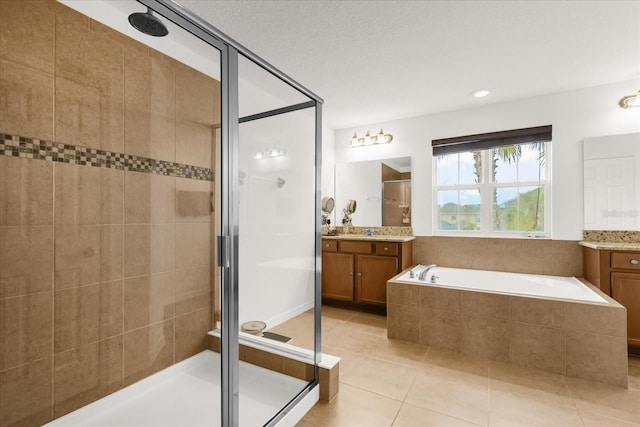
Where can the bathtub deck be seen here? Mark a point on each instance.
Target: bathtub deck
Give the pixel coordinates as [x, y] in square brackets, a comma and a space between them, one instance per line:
[188, 394]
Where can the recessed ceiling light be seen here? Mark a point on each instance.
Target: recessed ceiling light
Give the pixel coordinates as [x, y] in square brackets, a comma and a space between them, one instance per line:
[481, 93]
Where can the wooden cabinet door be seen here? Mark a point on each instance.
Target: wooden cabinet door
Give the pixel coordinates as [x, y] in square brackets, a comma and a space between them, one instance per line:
[625, 288]
[372, 273]
[337, 276]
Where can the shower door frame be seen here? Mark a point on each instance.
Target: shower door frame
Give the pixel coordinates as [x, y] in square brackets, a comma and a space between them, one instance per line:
[227, 241]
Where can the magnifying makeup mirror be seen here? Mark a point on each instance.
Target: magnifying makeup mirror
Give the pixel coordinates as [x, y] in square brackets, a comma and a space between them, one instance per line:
[328, 204]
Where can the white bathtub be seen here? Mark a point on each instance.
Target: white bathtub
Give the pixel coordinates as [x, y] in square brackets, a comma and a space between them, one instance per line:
[568, 288]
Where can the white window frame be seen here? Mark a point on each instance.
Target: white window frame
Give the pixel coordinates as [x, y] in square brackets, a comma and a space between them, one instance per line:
[486, 200]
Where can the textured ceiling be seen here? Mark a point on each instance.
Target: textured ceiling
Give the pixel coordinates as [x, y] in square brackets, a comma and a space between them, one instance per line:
[379, 60]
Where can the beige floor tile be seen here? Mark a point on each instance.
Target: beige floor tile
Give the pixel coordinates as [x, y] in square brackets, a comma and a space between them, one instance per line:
[594, 420]
[348, 359]
[337, 313]
[354, 407]
[607, 400]
[475, 365]
[304, 423]
[414, 416]
[386, 378]
[508, 410]
[531, 384]
[368, 324]
[397, 351]
[348, 339]
[451, 392]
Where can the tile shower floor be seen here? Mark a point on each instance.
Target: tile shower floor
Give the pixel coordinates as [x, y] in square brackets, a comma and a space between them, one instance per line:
[394, 383]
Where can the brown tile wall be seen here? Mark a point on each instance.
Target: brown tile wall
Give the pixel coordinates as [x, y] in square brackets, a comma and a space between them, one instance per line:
[533, 256]
[105, 275]
[576, 339]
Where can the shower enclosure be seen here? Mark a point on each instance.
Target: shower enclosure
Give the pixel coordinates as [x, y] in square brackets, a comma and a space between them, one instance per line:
[158, 189]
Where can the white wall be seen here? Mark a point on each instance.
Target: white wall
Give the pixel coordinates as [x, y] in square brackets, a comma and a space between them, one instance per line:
[575, 115]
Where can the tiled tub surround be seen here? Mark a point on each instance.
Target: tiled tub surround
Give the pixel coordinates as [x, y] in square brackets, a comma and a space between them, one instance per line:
[576, 339]
[533, 256]
[105, 274]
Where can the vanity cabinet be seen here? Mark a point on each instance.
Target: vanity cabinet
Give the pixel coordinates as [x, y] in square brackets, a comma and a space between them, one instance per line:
[355, 272]
[617, 273]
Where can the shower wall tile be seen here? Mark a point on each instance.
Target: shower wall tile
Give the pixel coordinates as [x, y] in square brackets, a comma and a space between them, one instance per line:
[89, 58]
[111, 252]
[18, 40]
[150, 134]
[195, 96]
[148, 299]
[26, 393]
[188, 333]
[78, 195]
[148, 350]
[195, 143]
[26, 101]
[87, 117]
[193, 289]
[77, 255]
[25, 329]
[148, 249]
[149, 104]
[87, 314]
[193, 245]
[26, 260]
[149, 198]
[26, 196]
[86, 374]
[87, 250]
[112, 189]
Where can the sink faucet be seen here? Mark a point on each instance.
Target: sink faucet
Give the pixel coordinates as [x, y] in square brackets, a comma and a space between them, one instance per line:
[423, 274]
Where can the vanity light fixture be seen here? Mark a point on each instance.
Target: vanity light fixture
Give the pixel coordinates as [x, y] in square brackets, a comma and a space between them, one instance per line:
[271, 152]
[480, 93]
[631, 101]
[380, 138]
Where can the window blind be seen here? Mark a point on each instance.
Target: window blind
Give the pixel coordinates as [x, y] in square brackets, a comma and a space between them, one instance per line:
[484, 141]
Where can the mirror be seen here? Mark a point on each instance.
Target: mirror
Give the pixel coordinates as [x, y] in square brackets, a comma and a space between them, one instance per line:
[381, 189]
[612, 182]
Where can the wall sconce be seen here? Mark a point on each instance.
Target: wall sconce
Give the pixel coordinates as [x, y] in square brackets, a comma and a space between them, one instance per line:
[271, 152]
[631, 101]
[380, 138]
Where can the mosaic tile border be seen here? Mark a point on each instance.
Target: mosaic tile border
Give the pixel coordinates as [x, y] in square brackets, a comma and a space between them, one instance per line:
[32, 148]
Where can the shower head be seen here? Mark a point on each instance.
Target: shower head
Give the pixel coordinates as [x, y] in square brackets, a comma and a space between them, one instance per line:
[147, 23]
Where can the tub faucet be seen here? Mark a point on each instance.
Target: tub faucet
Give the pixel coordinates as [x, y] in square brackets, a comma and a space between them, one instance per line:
[423, 274]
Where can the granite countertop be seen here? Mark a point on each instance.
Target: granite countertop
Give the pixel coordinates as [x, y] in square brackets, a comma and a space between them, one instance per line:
[612, 246]
[377, 237]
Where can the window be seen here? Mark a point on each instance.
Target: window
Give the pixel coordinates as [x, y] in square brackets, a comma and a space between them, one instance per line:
[493, 184]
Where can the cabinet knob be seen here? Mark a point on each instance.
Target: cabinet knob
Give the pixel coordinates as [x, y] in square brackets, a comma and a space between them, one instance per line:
[326, 246]
[386, 248]
[358, 274]
[634, 261]
[351, 273]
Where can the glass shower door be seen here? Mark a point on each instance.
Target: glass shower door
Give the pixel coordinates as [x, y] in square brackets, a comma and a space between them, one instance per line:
[277, 243]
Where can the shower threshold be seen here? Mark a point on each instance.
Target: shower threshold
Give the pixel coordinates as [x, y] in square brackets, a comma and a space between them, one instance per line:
[188, 394]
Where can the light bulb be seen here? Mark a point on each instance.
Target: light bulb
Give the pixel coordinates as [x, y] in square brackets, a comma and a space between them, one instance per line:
[367, 139]
[274, 152]
[354, 140]
[381, 138]
[259, 155]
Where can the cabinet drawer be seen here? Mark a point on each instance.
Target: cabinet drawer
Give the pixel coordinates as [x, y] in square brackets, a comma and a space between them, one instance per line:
[625, 260]
[329, 246]
[383, 248]
[355, 247]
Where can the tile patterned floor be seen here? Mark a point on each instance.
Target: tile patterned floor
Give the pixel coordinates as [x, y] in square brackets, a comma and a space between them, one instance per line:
[394, 383]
